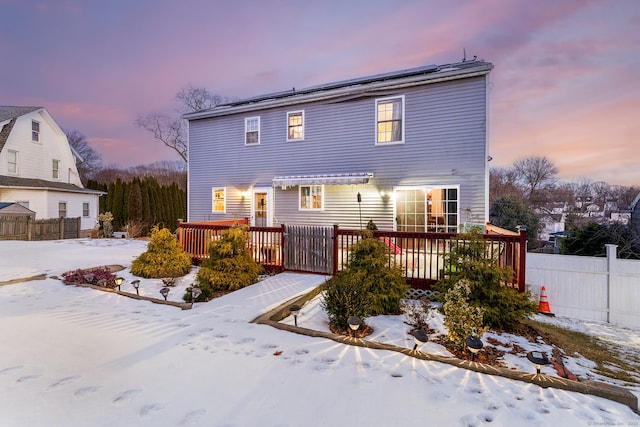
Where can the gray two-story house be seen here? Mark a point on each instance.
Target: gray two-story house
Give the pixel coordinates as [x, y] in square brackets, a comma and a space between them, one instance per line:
[406, 149]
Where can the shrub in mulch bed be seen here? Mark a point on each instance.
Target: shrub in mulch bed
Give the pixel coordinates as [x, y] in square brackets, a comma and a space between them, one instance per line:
[99, 276]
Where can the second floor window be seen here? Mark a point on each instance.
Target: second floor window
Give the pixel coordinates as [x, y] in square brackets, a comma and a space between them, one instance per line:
[295, 126]
[35, 131]
[252, 130]
[311, 197]
[56, 169]
[62, 209]
[12, 162]
[219, 200]
[390, 120]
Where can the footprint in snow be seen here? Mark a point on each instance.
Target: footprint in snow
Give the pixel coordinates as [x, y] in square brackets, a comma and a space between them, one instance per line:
[81, 392]
[62, 382]
[150, 408]
[12, 368]
[26, 378]
[126, 395]
[193, 417]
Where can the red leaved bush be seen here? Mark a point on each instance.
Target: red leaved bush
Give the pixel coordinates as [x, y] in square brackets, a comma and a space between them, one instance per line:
[100, 276]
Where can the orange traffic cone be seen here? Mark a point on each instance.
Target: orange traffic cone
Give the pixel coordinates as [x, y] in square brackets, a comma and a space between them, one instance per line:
[543, 307]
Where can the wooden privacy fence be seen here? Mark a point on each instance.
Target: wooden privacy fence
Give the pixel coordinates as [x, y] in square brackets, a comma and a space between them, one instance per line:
[421, 256]
[26, 228]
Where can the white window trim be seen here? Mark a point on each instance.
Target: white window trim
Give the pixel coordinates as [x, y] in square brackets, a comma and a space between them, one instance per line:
[426, 189]
[16, 162]
[378, 100]
[66, 208]
[246, 130]
[88, 210]
[303, 129]
[224, 198]
[322, 194]
[55, 173]
[39, 140]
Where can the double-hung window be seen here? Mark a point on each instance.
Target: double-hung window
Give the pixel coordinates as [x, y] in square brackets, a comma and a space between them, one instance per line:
[218, 200]
[427, 209]
[390, 120]
[12, 161]
[55, 169]
[252, 130]
[85, 209]
[62, 209]
[311, 197]
[35, 131]
[295, 125]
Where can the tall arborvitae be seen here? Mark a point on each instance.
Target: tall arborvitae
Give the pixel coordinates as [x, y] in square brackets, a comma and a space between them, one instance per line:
[135, 201]
[118, 202]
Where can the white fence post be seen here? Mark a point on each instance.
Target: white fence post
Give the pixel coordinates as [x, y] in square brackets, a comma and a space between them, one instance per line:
[611, 272]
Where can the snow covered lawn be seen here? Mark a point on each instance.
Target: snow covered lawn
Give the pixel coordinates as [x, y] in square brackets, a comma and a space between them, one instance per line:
[74, 356]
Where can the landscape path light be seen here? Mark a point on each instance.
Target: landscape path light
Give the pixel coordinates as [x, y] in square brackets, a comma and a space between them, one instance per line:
[354, 323]
[136, 284]
[419, 337]
[474, 345]
[165, 291]
[118, 281]
[538, 358]
[195, 293]
[295, 310]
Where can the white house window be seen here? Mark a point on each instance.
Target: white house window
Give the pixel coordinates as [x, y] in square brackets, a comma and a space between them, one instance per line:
[85, 209]
[12, 161]
[219, 200]
[56, 169]
[295, 125]
[427, 209]
[311, 197]
[390, 120]
[252, 130]
[62, 209]
[35, 131]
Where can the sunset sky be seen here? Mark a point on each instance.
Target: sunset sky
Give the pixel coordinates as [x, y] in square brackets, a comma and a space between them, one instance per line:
[566, 82]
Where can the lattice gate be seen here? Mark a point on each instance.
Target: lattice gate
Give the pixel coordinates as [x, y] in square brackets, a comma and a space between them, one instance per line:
[309, 249]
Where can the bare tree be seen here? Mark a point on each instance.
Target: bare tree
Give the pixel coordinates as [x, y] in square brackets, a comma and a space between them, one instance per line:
[535, 173]
[170, 129]
[90, 162]
[503, 183]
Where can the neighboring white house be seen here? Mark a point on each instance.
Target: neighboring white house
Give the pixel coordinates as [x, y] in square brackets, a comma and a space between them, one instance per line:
[38, 167]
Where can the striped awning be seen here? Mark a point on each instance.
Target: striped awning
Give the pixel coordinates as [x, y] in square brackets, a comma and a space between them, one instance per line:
[326, 179]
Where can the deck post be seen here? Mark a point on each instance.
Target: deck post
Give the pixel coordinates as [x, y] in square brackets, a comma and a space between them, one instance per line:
[522, 261]
[335, 249]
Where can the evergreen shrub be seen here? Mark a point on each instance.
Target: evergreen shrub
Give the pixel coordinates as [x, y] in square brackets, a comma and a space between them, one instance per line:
[367, 285]
[164, 257]
[503, 307]
[462, 319]
[229, 266]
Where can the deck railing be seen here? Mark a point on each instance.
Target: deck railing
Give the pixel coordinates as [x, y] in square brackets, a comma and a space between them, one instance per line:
[421, 256]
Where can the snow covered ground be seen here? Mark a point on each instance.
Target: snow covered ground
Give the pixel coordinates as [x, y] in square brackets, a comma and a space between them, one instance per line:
[73, 356]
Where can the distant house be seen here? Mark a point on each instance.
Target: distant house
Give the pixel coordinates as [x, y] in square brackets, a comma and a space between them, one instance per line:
[38, 167]
[406, 149]
[15, 209]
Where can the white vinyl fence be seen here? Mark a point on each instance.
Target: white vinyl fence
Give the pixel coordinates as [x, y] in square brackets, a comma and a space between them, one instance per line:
[588, 288]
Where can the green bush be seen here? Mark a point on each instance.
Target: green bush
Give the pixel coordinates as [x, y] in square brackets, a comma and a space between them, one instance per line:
[471, 259]
[367, 285]
[164, 257]
[229, 266]
[461, 319]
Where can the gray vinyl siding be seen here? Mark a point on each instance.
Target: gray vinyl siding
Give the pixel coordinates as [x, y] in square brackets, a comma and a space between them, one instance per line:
[445, 145]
